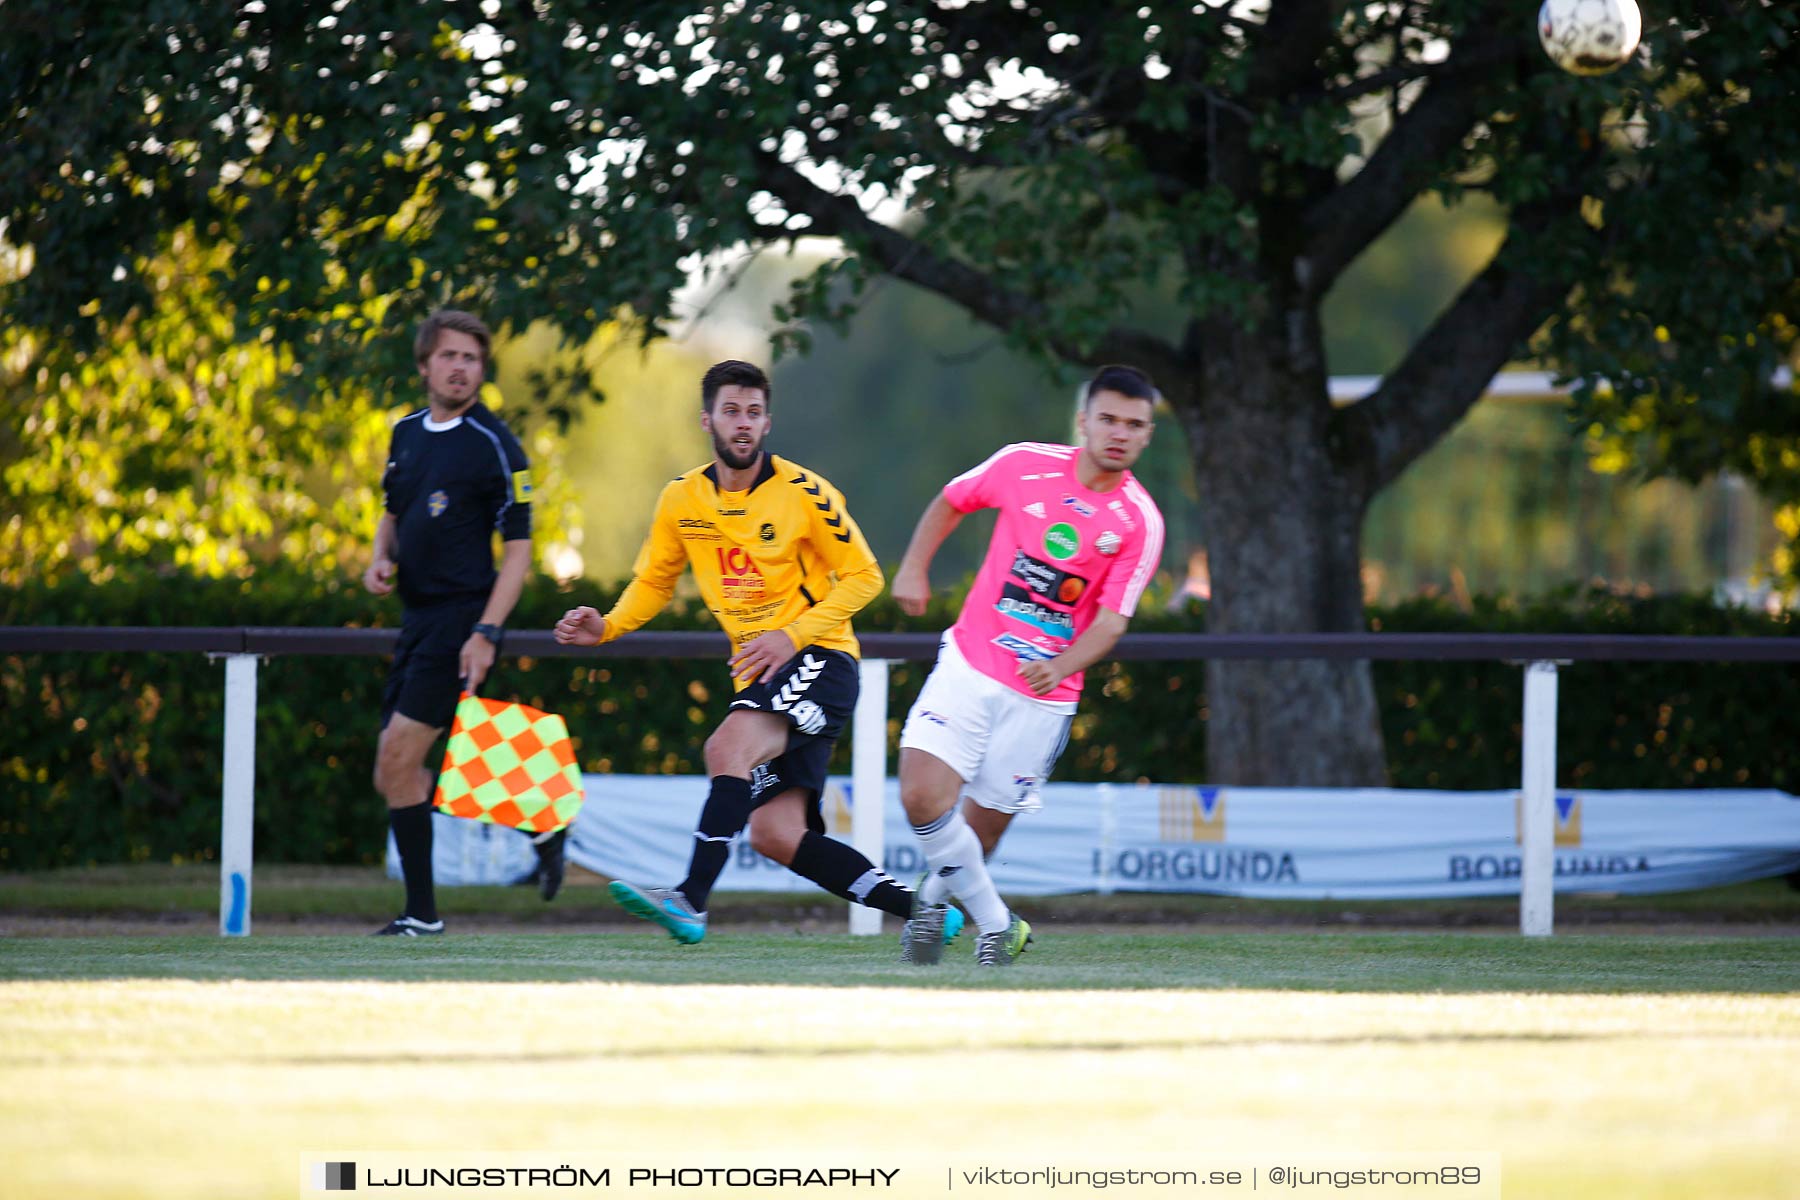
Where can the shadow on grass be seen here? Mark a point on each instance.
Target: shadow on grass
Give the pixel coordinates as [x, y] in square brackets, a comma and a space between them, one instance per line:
[989, 1044]
[184, 896]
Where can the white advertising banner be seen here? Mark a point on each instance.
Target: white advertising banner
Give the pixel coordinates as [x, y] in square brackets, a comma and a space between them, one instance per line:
[1274, 843]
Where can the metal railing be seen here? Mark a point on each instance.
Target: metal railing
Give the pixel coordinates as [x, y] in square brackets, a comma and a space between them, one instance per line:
[919, 647]
[1538, 654]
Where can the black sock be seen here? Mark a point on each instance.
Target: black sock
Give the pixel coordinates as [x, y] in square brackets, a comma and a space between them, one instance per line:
[843, 871]
[412, 837]
[726, 813]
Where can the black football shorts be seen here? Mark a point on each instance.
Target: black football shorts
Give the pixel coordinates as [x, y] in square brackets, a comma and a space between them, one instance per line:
[816, 692]
[426, 677]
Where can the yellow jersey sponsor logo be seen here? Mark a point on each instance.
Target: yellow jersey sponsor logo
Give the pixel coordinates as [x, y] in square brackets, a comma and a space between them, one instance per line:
[739, 577]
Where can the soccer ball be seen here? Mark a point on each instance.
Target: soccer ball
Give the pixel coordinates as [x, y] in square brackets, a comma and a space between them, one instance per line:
[1589, 37]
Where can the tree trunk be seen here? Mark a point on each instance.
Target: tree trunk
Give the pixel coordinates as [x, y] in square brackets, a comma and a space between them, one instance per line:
[1283, 519]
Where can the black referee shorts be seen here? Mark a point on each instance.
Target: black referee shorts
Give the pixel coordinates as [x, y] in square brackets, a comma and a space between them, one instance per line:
[426, 677]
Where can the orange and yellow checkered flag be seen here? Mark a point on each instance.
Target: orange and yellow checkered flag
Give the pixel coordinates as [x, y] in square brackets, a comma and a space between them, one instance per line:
[509, 764]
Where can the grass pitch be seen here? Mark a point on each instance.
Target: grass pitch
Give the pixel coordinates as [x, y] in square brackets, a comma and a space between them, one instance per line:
[191, 1066]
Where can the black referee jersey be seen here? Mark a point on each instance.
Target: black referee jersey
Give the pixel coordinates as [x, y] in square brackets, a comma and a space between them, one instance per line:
[450, 487]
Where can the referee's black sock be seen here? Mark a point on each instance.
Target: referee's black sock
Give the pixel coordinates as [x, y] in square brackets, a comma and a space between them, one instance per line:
[412, 837]
[726, 813]
[843, 871]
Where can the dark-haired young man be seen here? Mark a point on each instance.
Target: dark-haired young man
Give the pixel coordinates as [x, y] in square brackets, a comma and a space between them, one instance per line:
[455, 477]
[1076, 541]
[783, 568]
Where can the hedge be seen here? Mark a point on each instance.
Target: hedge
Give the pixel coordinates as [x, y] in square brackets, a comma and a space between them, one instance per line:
[116, 757]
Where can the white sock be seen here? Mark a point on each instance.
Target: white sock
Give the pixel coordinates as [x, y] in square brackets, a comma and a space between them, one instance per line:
[933, 890]
[954, 853]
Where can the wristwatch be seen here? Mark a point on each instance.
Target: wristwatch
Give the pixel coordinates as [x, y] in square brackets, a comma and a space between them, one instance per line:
[489, 631]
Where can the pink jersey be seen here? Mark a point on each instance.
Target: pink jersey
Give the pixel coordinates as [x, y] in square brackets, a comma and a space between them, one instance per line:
[1059, 552]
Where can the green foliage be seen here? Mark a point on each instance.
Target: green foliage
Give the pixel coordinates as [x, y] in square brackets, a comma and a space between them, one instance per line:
[184, 440]
[175, 442]
[1175, 185]
[1686, 321]
[1406, 277]
[1619, 724]
[614, 458]
[1509, 504]
[1066, 172]
[115, 757]
[1457, 724]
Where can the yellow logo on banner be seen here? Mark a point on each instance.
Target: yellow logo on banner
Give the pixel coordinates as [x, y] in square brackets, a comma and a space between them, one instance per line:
[1191, 814]
[836, 808]
[1568, 819]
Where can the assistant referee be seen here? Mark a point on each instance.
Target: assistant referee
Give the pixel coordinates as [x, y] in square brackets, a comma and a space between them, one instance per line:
[455, 476]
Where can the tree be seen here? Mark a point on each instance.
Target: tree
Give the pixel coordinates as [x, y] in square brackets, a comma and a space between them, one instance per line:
[1177, 186]
[170, 445]
[175, 443]
[652, 408]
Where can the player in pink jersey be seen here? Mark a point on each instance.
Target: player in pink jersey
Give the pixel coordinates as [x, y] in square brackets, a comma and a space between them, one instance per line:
[1076, 542]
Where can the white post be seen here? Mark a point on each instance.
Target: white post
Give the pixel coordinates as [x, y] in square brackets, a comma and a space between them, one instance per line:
[1109, 823]
[1537, 803]
[239, 808]
[868, 779]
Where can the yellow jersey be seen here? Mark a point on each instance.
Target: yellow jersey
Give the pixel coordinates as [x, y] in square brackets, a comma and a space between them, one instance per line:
[783, 554]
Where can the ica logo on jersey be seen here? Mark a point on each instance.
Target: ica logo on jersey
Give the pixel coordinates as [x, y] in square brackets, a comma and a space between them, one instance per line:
[738, 574]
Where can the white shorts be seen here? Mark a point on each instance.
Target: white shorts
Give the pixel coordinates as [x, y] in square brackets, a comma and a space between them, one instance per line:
[1002, 742]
